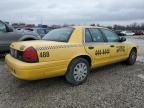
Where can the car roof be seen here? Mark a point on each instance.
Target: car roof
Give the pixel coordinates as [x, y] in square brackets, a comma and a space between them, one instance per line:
[88, 27]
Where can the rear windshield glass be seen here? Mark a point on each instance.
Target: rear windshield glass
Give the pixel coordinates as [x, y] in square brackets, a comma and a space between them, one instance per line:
[60, 35]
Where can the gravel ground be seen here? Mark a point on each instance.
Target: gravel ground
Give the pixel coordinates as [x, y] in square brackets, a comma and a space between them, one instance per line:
[113, 86]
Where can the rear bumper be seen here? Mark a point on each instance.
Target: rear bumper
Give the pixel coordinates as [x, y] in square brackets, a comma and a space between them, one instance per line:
[32, 71]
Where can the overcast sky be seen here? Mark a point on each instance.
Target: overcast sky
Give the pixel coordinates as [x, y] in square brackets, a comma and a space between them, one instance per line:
[72, 11]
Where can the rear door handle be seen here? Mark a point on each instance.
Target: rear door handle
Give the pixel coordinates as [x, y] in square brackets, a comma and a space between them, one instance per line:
[112, 46]
[90, 47]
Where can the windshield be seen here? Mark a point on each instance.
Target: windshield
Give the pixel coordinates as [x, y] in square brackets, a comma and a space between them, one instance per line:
[60, 35]
[40, 31]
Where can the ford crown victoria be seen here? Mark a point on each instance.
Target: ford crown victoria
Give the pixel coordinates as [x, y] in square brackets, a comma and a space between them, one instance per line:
[71, 52]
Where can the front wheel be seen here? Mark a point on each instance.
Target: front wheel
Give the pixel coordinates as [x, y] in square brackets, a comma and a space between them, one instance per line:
[78, 71]
[132, 57]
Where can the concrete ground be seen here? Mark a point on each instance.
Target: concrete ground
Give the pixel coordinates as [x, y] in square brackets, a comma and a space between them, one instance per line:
[113, 86]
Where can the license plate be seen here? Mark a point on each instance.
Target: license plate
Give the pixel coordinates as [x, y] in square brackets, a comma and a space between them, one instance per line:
[13, 52]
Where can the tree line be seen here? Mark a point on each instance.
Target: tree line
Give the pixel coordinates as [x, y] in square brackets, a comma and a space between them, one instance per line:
[132, 27]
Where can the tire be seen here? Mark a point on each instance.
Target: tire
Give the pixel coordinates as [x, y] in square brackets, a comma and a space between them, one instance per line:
[28, 39]
[132, 57]
[78, 71]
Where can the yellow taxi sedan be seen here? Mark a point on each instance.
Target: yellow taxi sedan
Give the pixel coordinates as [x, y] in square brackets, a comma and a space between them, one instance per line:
[69, 52]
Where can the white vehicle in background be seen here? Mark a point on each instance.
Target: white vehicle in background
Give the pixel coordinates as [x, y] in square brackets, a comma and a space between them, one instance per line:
[128, 33]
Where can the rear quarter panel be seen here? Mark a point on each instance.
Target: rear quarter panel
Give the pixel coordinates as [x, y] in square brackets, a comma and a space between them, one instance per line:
[62, 52]
[60, 56]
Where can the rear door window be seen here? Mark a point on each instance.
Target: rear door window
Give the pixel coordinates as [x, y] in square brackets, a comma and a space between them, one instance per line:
[96, 35]
[88, 37]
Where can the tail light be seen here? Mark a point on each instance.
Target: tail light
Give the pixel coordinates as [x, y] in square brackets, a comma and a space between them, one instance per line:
[30, 55]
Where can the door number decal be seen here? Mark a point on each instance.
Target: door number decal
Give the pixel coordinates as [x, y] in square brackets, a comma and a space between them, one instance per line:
[120, 49]
[102, 52]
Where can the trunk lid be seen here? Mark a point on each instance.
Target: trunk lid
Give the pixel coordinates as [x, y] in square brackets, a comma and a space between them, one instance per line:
[21, 46]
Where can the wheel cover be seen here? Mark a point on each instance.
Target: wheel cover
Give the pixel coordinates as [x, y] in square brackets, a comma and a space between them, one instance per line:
[80, 72]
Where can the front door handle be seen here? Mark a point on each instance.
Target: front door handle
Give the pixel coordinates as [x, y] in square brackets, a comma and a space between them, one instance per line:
[112, 46]
[90, 47]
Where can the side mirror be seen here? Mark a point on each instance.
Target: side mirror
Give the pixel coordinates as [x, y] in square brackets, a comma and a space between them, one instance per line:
[122, 39]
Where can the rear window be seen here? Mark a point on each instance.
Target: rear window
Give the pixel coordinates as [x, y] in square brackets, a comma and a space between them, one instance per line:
[60, 35]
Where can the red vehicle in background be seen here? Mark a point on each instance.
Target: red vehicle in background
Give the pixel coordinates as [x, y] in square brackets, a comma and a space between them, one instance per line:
[139, 33]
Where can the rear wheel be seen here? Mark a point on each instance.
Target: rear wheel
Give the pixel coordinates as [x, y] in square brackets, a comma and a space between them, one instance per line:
[132, 57]
[78, 71]
[28, 39]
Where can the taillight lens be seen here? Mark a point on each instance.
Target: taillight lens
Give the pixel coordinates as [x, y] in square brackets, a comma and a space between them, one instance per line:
[30, 55]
